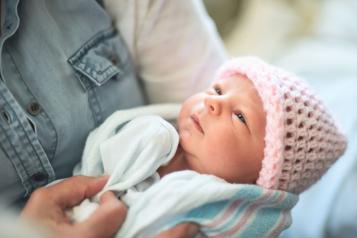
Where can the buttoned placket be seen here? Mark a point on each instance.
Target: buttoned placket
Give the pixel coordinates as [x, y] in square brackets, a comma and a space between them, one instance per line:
[17, 136]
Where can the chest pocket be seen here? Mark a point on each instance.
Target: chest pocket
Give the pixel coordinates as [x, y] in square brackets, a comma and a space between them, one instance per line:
[97, 60]
[105, 71]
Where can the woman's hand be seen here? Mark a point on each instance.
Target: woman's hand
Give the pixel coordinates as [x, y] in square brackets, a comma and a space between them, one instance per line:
[47, 207]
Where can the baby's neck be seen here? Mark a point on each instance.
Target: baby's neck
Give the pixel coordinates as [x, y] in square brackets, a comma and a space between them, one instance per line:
[177, 163]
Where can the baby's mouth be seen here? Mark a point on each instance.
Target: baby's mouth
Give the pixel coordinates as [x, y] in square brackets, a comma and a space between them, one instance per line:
[196, 122]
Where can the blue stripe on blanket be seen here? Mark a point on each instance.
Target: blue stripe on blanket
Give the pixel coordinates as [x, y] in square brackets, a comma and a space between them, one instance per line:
[256, 227]
[238, 220]
[252, 212]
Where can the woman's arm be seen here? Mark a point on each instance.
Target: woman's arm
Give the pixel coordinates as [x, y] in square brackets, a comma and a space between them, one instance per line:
[174, 44]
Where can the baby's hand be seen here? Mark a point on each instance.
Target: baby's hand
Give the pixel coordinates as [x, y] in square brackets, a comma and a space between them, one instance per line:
[184, 230]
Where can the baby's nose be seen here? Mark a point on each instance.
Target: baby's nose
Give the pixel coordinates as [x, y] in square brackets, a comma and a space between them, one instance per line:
[213, 105]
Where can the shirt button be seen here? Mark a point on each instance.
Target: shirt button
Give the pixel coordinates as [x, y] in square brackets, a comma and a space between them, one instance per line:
[39, 177]
[5, 116]
[114, 61]
[8, 27]
[34, 108]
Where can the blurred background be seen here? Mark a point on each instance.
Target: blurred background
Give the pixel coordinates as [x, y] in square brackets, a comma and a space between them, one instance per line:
[263, 28]
[316, 39]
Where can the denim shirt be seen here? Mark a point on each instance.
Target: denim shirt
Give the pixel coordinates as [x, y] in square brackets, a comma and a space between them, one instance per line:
[64, 69]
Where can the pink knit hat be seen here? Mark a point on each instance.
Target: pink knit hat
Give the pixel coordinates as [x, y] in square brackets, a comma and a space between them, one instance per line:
[301, 139]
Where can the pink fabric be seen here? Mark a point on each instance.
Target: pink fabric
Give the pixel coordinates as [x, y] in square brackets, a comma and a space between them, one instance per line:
[301, 139]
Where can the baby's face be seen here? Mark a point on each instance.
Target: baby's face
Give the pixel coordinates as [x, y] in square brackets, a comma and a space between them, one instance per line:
[222, 130]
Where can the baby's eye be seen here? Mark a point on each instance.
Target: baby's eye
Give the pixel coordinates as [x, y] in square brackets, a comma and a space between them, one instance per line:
[217, 90]
[240, 116]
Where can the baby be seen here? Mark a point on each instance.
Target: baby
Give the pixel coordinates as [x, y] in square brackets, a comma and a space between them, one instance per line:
[256, 124]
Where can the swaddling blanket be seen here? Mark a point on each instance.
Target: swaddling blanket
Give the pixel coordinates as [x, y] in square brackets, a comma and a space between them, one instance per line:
[132, 144]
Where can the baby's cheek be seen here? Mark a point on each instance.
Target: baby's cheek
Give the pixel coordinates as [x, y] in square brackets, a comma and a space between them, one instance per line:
[184, 139]
[212, 152]
[184, 135]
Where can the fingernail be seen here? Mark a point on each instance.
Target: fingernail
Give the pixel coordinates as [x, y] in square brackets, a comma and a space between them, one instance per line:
[192, 230]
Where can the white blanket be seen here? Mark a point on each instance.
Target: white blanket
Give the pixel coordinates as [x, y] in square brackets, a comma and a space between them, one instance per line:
[130, 147]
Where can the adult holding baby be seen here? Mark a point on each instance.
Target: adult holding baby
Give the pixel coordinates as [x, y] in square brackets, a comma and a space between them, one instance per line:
[65, 67]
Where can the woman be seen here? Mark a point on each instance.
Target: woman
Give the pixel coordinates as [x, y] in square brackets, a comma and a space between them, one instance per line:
[66, 65]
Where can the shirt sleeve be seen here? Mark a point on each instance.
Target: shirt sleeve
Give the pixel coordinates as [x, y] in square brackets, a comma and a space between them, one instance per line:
[174, 44]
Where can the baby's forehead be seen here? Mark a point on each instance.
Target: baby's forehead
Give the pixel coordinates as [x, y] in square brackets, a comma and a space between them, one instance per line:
[239, 82]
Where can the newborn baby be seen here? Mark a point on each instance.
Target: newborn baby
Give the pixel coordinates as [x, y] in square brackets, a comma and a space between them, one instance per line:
[256, 124]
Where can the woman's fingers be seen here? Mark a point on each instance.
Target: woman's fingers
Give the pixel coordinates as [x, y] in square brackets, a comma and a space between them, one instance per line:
[108, 217]
[71, 191]
[48, 201]
[48, 205]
